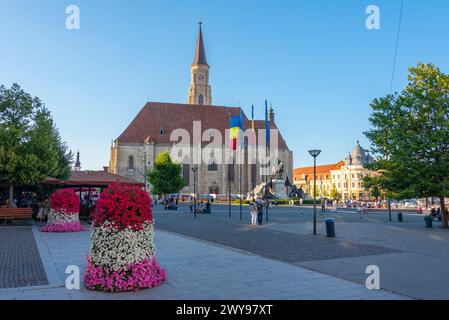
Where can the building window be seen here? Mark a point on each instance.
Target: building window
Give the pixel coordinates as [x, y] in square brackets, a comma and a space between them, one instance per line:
[212, 166]
[200, 99]
[186, 173]
[131, 163]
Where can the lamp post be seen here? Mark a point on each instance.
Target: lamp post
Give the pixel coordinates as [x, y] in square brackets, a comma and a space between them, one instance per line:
[194, 169]
[314, 154]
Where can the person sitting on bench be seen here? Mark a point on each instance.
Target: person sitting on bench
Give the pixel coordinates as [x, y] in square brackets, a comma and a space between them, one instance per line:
[206, 207]
[200, 207]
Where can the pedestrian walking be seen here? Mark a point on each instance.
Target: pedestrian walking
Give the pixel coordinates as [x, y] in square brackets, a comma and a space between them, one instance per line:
[253, 212]
[260, 211]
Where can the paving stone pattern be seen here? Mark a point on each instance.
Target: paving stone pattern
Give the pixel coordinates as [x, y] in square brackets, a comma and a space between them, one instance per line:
[20, 262]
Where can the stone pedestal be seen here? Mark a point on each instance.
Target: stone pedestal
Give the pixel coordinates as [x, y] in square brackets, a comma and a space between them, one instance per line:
[279, 189]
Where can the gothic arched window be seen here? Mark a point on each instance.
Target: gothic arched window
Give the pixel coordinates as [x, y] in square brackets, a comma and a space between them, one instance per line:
[212, 166]
[200, 99]
[131, 163]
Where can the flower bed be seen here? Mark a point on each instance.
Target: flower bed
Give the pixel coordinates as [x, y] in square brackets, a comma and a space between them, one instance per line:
[122, 255]
[63, 215]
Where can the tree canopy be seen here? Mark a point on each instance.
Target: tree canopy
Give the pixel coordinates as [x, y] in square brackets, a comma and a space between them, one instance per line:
[410, 136]
[31, 148]
[165, 178]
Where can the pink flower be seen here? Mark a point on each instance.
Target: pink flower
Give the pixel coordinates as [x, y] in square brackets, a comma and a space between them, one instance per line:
[63, 227]
[144, 274]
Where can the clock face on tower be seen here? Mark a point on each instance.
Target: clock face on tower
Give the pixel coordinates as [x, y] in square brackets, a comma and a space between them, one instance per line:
[200, 77]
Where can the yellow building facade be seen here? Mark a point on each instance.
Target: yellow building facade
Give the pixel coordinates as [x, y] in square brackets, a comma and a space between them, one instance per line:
[346, 177]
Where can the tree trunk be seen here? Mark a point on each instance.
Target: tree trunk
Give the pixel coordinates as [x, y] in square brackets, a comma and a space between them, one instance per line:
[444, 220]
[11, 196]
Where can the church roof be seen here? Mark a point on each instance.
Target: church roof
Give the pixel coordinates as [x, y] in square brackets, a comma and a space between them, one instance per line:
[200, 53]
[156, 121]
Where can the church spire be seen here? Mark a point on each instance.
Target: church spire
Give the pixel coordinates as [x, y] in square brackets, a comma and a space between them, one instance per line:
[77, 162]
[200, 91]
[200, 53]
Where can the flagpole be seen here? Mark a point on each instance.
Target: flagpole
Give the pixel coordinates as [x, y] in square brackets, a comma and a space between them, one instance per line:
[267, 135]
[229, 187]
[242, 150]
[241, 200]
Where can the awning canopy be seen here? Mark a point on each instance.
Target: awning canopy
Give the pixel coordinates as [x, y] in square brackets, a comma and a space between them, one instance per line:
[97, 179]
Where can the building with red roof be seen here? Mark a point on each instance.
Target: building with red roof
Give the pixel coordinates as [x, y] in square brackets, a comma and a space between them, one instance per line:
[159, 126]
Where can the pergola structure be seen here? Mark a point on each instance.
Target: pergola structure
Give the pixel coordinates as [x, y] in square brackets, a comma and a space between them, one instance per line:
[85, 181]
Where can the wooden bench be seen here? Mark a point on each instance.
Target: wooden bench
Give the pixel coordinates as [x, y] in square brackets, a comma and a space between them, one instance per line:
[16, 213]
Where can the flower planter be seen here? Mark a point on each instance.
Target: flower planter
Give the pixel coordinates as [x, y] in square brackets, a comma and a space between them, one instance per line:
[122, 255]
[63, 215]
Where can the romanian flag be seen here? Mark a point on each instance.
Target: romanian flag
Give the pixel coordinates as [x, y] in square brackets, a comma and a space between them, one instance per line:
[236, 124]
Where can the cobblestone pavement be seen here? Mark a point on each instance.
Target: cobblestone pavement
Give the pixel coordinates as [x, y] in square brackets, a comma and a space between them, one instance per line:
[196, 270]
[417, 270]
[411, 257]
[20, 262]
[286, 246]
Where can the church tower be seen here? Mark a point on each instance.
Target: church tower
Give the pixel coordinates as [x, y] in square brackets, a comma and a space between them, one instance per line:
[200, 91]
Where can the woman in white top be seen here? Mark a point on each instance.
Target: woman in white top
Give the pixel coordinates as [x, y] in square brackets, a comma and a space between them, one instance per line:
[253, 212]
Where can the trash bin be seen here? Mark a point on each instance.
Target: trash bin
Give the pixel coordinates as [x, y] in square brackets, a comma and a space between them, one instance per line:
[330, 227]
[400, 216]
[428, 221]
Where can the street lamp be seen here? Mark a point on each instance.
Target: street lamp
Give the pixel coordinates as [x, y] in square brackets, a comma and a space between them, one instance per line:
[314, 154]
[194, 169]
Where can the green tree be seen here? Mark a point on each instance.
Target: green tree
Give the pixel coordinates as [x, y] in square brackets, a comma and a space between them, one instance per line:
[375, 192]
[410, 136]
[314, 191]
[334, 193]
[165, 178]
[30, 146]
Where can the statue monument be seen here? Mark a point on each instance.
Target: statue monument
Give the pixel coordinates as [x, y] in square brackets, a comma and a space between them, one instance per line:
[277, 185]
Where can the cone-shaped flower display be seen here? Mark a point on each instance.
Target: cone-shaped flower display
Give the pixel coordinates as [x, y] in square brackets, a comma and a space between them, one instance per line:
[64, 212]
[122, 255]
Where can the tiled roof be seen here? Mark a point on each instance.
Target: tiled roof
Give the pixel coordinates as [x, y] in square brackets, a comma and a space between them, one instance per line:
[319, 169]
[156, 121]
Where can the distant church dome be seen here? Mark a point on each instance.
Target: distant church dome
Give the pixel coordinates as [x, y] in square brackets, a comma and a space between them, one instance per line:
[359, 156]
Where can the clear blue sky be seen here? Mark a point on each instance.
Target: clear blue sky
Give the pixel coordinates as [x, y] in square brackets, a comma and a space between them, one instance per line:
[314, 60]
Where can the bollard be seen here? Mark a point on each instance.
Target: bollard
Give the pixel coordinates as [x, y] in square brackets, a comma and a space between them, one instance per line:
[428, 221]
[330, 227]
[400, 216]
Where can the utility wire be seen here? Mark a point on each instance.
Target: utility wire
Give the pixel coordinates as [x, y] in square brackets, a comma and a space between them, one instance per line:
[397, 45]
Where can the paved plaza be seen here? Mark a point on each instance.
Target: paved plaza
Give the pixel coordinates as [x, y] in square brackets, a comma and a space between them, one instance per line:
[20, 262]
[217, 257]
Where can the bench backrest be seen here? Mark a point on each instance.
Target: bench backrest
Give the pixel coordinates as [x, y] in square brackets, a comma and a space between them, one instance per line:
[15, 211]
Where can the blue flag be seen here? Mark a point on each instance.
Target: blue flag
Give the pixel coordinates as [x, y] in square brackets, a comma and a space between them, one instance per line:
[242, 126]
